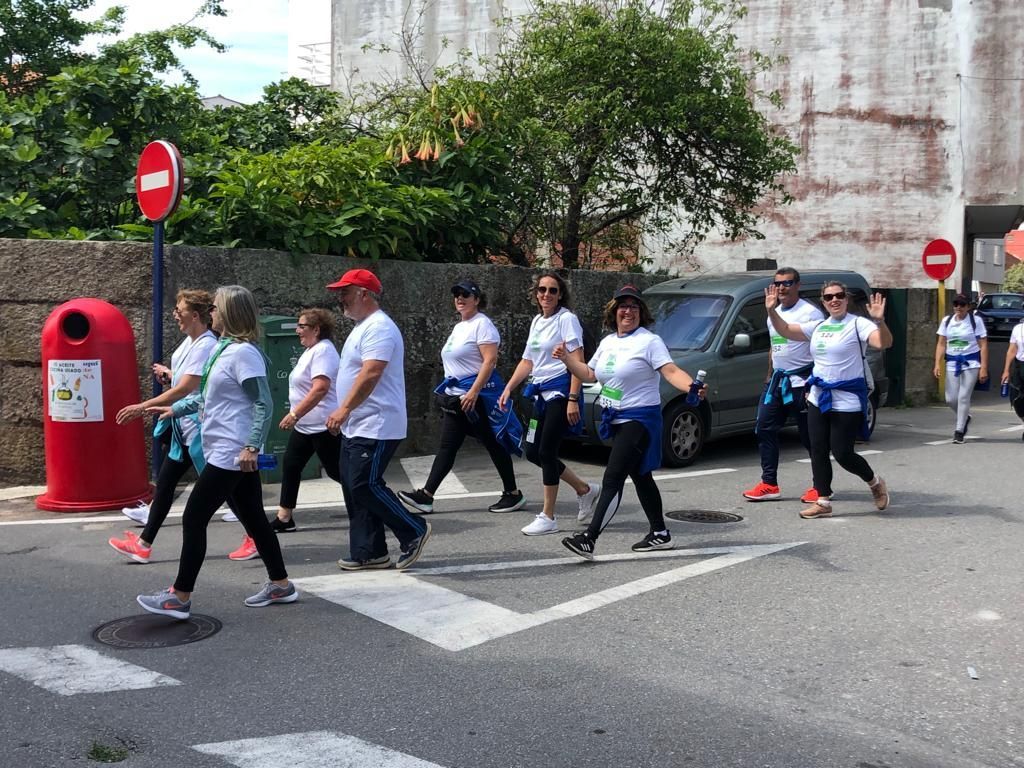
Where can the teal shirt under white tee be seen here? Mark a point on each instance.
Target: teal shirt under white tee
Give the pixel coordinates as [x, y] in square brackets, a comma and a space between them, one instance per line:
[227, 410]
[627, 369]
[189, 359]
[836, 346]
[961, 340]
[789, 355]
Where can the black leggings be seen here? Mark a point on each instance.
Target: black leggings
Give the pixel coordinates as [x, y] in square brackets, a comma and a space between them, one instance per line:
[835, 431]
[211, 489]
[547, 439]
[171, 472]
[454, 428]
[629, 444]
[300, 450]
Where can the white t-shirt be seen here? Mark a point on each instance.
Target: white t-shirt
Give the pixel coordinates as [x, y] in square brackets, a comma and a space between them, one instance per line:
[960, 339]
[1017, 337]
[787, 354]
[461, 353]
[627, 368]
[836, 346]
[189, 359]
[545, 334]
[319, 360]
[381, 416]
[227, 409]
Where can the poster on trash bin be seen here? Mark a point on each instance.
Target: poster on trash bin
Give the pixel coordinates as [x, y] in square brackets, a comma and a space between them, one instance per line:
[75, 390]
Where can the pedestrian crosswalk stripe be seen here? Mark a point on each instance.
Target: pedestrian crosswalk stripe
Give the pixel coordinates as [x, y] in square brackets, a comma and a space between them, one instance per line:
[417, 468]
[949, 440]
[454, 621]
[315, 749]
[833, 458]
[72, 669]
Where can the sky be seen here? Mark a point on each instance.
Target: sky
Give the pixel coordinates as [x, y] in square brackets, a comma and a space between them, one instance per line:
[255, 31]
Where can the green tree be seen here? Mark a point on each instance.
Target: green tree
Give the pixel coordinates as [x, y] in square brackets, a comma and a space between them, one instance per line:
[1013, 279]
[626, 113]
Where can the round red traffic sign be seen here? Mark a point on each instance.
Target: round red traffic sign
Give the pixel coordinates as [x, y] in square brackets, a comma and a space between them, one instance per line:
[939, 259]
[158, 179]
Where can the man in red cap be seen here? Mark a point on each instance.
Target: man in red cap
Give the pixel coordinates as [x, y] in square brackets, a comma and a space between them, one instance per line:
[372, 422]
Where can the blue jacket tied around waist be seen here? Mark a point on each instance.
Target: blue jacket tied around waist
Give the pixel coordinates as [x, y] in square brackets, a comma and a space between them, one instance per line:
[780, 382]
[557, 384]
[650, 417]
[962, 360]
[504, 424]
[859, 387]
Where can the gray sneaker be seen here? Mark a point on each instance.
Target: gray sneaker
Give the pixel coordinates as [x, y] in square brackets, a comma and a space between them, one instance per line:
[272, 593]
[374, 563]
[412, 551]
[166, 603]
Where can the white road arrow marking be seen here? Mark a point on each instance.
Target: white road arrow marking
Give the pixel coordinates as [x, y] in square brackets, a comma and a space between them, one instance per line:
[454, 621]
[316, 749]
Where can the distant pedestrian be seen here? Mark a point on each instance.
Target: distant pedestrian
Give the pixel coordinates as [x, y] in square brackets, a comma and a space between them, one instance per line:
[372, 420]
[962, 349]
[1013, 370]
[556, 398]
[789, 365]
[468, 396]
[627, 364]
[838, 399]
[234, 399]
[312, 396]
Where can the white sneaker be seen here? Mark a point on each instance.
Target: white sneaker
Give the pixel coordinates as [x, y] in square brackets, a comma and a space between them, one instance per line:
[541, 524]
[138, 514]
[587, 501]
[229, 517]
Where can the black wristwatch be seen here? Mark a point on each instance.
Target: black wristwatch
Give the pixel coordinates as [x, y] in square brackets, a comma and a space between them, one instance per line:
[574, 397]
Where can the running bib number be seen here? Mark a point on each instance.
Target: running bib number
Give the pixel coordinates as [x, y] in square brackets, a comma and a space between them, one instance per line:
[532, 431]
[610, 398]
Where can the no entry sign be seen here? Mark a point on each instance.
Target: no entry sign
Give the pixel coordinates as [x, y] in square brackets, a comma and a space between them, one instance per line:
[939, 259]
[158, 178]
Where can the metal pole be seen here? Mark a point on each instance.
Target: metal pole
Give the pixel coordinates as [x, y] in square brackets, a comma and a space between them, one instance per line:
[158, 324]
[942, 314]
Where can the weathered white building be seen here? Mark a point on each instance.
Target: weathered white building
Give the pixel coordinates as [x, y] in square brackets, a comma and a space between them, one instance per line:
[909, 115]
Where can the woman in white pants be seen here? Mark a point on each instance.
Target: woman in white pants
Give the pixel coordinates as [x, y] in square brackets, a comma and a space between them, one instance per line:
[962, 349]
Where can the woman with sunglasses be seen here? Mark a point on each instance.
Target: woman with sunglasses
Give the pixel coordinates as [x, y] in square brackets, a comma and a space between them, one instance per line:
[628, 363]
[234, 400]
[312, 395]
[556, 398]
[962, 349]
[179, 435]
[468, 395]
[837, 402]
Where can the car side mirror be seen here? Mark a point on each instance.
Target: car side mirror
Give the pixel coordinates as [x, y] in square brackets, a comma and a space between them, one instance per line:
[740, 344]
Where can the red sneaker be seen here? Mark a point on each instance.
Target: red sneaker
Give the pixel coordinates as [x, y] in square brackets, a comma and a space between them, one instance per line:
[131, 546]
[246, 551]
[762, 492]
[810, 496]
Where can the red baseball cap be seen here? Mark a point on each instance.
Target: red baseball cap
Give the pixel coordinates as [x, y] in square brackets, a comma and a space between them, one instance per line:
[361, 278]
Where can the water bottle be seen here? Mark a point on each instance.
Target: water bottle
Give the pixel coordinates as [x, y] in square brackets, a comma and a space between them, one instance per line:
[1004, 391]
[693, 396]
[264, 461]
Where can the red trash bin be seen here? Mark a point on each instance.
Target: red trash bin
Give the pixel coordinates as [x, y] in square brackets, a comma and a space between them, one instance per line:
[89, 374]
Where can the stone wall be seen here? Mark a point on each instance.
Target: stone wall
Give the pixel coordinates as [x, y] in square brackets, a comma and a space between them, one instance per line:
[39, 275]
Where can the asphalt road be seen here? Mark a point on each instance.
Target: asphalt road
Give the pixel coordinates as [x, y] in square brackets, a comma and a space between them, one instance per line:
[771, 641]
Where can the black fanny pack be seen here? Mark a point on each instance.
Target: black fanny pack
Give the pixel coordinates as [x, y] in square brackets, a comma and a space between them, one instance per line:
[448, 403]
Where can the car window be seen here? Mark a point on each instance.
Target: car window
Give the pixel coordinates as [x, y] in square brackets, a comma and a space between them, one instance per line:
[686, 322]
[1006, 302]
[753, 321]
[986, 303]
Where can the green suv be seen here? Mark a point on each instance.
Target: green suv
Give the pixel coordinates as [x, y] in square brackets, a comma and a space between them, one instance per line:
[718, 323]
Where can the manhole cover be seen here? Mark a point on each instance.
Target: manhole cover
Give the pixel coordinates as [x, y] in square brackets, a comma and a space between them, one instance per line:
[703, 516]
[149, 631]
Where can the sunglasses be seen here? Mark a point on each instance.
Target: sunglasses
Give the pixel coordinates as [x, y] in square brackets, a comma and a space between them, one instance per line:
[959, 303]
[553, 291]
[784, 283]
[303, 326]
[461, 294]
[833, 296]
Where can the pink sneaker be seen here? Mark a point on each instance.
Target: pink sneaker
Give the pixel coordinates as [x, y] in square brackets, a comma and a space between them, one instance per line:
[246, 551]
[131, 546]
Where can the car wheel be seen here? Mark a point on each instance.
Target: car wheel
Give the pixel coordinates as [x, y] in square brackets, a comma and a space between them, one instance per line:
[872, 413]
[683, 436]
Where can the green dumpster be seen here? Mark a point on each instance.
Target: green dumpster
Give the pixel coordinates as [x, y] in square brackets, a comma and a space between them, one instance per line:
[283, 348]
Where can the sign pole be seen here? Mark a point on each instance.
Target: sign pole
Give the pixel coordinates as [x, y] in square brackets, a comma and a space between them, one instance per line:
[158, 325]
[941, 288]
